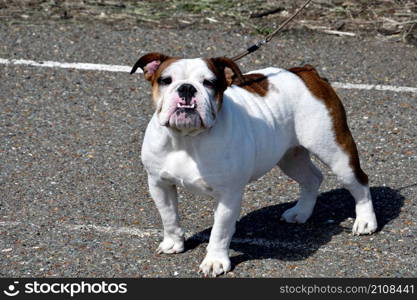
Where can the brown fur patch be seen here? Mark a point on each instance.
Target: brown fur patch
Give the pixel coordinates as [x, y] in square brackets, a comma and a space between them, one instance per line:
[146, 59]
[155, 77]
[255, 83]
[224, 70]
[323, 90]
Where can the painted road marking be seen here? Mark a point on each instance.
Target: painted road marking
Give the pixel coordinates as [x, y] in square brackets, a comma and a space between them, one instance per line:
[64, 65]
[157, 233]
[119, 68]
[377, 87]
[144, 233]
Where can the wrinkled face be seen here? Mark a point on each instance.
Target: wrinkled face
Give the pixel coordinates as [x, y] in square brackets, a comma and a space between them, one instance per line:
[184, 94]
[187, 93]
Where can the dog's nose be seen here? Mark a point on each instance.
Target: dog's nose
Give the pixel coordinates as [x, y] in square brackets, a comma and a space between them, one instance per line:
[187, 91]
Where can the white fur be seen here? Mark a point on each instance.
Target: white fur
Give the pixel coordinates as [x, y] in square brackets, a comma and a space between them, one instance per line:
[191, 71]
[250, 135]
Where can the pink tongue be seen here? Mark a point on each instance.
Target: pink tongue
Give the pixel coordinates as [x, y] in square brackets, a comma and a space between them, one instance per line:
[183, 103]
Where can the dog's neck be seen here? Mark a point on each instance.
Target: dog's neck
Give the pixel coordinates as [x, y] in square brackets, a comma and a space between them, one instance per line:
[179, 139]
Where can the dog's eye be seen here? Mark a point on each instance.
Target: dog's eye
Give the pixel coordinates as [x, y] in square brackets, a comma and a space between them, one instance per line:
[165, 80]
[208, 83]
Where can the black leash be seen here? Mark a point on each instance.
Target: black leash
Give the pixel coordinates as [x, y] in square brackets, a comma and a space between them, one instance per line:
[269, 37]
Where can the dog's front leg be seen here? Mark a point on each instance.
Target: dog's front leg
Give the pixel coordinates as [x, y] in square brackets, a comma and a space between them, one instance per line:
[227, 211]
[165, 196]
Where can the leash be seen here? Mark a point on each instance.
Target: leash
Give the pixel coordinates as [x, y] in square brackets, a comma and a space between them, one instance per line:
[269, 37]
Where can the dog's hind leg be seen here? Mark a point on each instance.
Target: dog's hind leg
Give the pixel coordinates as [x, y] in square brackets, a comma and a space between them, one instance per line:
[322, 128]
[344, 163]
[296, 164]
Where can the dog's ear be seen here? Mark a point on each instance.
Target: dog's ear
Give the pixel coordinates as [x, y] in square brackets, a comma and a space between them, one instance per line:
[229, 69]
[149, 63]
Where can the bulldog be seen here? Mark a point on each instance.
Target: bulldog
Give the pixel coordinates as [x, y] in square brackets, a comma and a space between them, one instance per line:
[215, 129]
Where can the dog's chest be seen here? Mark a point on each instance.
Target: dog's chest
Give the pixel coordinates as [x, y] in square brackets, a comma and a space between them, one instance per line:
[182, 170]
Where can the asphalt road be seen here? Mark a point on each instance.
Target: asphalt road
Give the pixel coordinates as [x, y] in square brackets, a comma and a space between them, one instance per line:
[74, 200]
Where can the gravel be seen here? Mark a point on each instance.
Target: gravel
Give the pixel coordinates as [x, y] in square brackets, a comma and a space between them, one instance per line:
[70, 155]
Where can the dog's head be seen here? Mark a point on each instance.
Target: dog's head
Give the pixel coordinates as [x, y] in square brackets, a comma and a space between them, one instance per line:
[187, 93]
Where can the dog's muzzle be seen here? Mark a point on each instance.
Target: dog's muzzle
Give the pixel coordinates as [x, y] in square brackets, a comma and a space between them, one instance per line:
[186, 114]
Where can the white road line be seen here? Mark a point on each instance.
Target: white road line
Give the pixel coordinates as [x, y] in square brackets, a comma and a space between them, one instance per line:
[377, 87]
[142, 233]
[146, 233]
[63, 65]
[119, 68]
[9, 223]
[156, 233]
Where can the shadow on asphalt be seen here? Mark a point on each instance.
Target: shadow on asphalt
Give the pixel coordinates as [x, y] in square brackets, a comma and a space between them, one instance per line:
[294, 242]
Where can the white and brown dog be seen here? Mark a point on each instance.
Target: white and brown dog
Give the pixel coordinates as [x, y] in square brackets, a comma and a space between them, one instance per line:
[215, 130]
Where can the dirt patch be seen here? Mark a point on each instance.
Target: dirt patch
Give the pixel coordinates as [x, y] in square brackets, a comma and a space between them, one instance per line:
[386, 19]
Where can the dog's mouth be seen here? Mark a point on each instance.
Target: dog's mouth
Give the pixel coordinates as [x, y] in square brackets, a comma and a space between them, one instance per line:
[186, 106]
[185, 116]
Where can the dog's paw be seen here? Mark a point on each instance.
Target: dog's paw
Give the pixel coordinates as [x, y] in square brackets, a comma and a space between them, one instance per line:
[215, 264]
[364, 225]
[169, 246]
[296, 215]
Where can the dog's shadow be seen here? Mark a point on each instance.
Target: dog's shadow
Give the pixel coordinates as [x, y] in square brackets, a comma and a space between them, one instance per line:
[260, 234]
